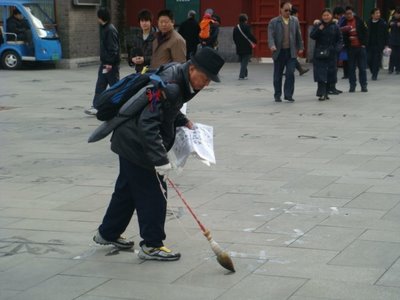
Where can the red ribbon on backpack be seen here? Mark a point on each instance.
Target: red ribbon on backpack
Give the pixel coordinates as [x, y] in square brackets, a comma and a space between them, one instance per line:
[153, 96]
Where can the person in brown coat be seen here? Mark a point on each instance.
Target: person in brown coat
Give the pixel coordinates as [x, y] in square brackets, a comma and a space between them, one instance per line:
[168, 45]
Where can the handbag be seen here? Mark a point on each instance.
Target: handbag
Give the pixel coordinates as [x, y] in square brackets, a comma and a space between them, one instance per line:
[253, 45]
[322, 53]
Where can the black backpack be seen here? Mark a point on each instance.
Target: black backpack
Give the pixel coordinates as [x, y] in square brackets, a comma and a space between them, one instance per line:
[111, 100]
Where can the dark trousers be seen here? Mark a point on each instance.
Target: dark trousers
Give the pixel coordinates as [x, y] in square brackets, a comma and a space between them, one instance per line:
[244, 62]
[374, 59]
[283, 61]
[322, 89]
[104, 80]
[357, 59]
[394, 62]
[136, 188]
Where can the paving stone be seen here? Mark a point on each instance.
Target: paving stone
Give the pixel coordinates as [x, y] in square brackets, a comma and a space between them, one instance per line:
[351, 291]
[340, 190]
[325, 237]
[392, 276]
[145, 290]
[380, 235]
[310, 270]
[61, 287]
[263, 287]
[369, 201]
[310, 182]
[368, 254]
[32, 272]
[393, 214]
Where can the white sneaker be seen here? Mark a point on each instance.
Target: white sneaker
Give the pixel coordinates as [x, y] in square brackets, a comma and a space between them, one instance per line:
[91, 111]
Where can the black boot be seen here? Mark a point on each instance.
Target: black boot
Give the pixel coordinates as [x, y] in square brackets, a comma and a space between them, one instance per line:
[332, 90]
[322, 91]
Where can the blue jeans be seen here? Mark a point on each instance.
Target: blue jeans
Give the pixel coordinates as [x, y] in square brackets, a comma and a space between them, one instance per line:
[104, 80]
[244, 61]
[283, 61]
[136, 188]
[357, 59]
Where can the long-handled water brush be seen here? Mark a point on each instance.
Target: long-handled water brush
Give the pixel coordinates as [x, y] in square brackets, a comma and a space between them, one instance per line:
[223, 258]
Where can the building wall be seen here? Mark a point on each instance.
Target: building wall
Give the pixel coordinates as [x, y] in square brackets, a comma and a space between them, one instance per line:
[79, 34]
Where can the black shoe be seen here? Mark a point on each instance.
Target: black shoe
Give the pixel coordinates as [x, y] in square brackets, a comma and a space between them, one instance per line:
[390, 71]
[322, 98]
[345, 77]
[120, 242]
[352, 89]
[333, 92]
[278, 99]
[364, 89]
[374, 77]
[338, 91]
[290, 99]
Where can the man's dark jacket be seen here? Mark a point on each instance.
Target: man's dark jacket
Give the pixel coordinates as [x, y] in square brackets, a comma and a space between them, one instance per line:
[190, 30]
[380, 38]
[19, 27]
[146, 138]
[243, 46]
[362, 32]
[140, 47]
[109, 45]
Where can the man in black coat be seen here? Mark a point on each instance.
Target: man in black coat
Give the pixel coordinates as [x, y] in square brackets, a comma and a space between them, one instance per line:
[18, 25]
[355, 37]
[142, 144]
[244, 41]
[377, 41]
[190, 30]
[108, 72]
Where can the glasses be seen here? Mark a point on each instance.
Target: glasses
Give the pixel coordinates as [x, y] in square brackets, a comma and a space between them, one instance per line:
[287, 10]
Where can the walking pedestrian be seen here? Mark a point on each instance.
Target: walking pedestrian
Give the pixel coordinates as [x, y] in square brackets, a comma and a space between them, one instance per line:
[328, 43]
[142, 144]
[190, 30]
[108, 72]
[394, 42]
[285, 43]
[245, 42]
[377, 41]
[168, 45]
[140, 49]
[209, 29]
[355, 36]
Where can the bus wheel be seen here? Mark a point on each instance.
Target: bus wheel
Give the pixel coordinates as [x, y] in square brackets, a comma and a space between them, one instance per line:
[10, 60]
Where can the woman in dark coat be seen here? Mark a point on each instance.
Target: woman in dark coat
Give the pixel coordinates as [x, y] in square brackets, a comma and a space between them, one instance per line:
[328, 37]
[244, 41]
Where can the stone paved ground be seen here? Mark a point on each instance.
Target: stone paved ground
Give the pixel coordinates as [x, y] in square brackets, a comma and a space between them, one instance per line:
[305, 196]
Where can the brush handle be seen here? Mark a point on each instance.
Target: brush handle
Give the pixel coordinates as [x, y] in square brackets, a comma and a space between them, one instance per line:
[202, 227]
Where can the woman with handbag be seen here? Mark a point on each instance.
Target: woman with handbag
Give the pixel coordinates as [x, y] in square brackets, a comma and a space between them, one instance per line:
[328, 43]
[245, 42]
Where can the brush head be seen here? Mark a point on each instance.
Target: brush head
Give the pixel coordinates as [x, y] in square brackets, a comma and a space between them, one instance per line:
[225, 261]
